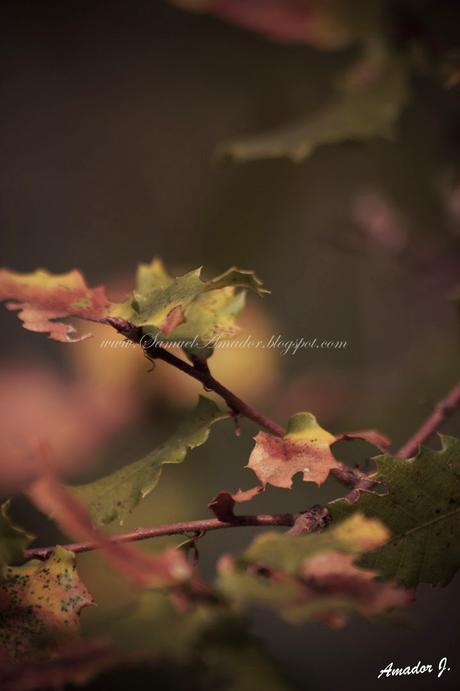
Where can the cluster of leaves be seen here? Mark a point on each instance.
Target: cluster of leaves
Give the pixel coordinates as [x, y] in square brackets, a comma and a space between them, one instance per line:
[401, 530]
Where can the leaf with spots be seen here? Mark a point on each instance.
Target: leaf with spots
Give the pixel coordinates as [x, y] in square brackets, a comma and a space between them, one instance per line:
[13, 539]
[43, 299]
[421, 507]
[40, 604]
[113, 497]
[304, 448]
[313, 576]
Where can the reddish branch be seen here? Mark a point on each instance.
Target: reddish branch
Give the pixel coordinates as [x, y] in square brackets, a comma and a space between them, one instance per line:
[441, 412]
[194, 528]
[199, 371]
[308, 521]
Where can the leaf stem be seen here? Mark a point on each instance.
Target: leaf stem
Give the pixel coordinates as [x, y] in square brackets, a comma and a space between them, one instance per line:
[441, 412]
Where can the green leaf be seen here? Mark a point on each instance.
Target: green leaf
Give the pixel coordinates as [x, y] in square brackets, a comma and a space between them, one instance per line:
[187, 308]
[40, 605]
[116, 495]
[422, 510]
[211, 316]
[354, 116]
[312, 576]
[13, 539]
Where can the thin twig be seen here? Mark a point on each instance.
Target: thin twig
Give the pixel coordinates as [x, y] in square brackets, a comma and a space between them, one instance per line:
[183, 528]
[199, 372]
[441, 412]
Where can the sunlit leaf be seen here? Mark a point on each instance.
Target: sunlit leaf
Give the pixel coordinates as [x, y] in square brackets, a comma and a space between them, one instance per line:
[184, 309]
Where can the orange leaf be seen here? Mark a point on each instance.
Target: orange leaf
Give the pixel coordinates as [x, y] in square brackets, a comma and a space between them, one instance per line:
[305, 448]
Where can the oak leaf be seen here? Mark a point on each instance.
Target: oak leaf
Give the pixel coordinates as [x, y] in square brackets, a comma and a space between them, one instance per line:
[44, 299]
[304, 448]
[358, 115]
[114, 496]
[186, 308]
[40, 605]
[421, 507]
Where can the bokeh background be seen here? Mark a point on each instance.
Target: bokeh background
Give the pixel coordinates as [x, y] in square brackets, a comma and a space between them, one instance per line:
[111, 112]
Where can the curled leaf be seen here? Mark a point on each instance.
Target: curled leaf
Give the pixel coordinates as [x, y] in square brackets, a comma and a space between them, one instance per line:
[186, 309]
[223, 503]
[372, 436]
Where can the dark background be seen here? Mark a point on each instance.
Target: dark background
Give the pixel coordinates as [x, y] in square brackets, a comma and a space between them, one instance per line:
[110, 115]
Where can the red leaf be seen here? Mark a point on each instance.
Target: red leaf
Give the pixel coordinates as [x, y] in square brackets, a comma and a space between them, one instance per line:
[42, 297]
[305, 448]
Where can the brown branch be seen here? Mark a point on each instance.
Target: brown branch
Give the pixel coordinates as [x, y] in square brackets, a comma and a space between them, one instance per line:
[184, 528]
[441, 412]
[199, 371]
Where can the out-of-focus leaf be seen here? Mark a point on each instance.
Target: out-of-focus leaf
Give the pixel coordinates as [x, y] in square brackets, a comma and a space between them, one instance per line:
[75, 418]
[42, 298]
[40, 605]
[13, 539]
[327, 25]
[357, 115]
[182, 309]
[114, 496]
[155, 624]
[305, 448]
[201, 636]
[313, 576]
[76, 662]
[422, 510]
[68, 510]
